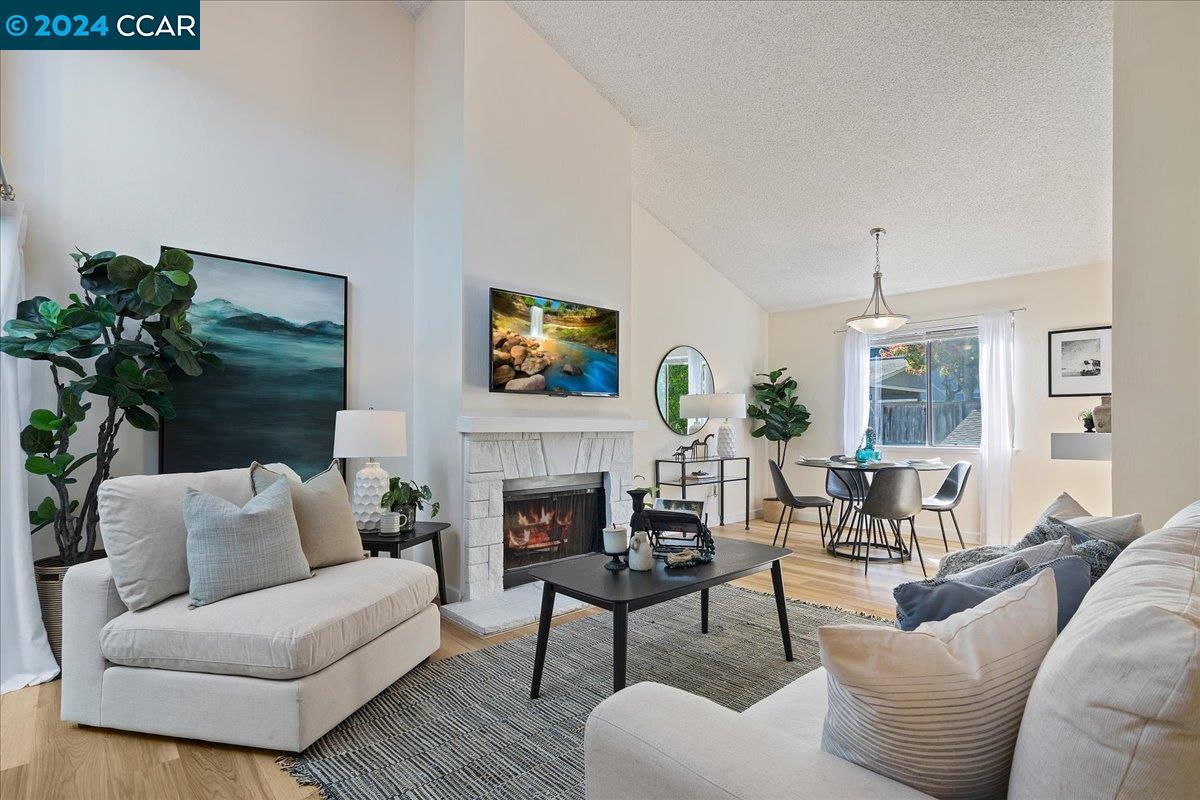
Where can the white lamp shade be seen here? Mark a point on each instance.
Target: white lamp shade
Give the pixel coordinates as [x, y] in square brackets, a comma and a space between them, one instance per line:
[694, 406]
[371, 433]
[877, 323]
[727, 405]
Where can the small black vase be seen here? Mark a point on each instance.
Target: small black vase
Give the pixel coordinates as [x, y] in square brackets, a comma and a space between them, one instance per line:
[637, 520]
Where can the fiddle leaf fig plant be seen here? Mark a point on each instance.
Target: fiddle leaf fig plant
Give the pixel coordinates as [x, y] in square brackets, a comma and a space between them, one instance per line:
[781, 416]
[131, 318]
[408, 493]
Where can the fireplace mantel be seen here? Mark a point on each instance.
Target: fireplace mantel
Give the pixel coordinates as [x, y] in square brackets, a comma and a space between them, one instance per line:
[549, 425]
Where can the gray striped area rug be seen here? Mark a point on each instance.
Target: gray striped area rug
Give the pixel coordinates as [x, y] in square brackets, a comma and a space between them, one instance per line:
[464, 727]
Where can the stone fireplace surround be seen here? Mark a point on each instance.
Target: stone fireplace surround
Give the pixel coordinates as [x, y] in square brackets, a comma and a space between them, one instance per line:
[500, 448]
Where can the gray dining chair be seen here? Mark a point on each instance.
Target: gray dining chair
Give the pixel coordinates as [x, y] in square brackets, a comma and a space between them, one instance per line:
[847, 488]
[947, 498]
[894, 496]
[784, 494]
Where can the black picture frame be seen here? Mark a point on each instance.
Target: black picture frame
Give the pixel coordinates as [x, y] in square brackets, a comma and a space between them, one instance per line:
[1104, 388]
[163, 424]
[550, 392]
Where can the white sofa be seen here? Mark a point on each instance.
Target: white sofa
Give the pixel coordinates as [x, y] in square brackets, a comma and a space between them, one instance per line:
[275, 668]
[1113, 713]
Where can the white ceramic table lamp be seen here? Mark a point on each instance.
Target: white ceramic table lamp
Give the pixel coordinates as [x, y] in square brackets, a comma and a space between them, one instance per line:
[369, 434]
[727, 406]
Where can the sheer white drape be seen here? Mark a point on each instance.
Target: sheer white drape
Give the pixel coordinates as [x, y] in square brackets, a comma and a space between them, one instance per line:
[996, 408]
[25, 656]
[856, 378]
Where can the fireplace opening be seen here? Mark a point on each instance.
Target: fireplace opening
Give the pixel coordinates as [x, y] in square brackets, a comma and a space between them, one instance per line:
[548, 519]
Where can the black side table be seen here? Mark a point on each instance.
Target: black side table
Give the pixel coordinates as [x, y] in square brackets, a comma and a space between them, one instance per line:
[375, 543]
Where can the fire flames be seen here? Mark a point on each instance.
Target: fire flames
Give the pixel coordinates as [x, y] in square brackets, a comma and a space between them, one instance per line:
[538, 529]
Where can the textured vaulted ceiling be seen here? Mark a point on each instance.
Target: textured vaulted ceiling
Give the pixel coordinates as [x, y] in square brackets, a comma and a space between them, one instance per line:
[771, 136]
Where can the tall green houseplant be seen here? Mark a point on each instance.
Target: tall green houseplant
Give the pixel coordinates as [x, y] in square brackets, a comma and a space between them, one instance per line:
[131, 318]
[780, 415]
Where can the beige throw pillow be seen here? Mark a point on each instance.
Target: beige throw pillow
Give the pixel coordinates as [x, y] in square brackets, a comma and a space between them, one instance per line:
[1063, 507]
[938, 708]
[1118, 530]
[327, 530]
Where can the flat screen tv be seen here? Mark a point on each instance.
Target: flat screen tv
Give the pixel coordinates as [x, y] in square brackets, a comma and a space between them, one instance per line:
[545, 346]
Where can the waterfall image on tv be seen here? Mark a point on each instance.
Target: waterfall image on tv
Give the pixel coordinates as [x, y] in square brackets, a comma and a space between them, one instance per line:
[546, 346]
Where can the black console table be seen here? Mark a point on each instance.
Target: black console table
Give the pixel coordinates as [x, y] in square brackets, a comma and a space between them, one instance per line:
[719, 480]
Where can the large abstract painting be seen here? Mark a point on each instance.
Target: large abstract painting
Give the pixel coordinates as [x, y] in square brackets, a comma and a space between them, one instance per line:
[281, 332]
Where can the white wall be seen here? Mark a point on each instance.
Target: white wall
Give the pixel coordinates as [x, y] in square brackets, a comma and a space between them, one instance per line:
[546, 198]
[805, 341]
[437, 307]
[1156, 257]
[523, 182]
[678, 298]
[286, 139]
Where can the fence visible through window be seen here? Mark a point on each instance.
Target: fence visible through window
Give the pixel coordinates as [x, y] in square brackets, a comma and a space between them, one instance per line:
[925, 392]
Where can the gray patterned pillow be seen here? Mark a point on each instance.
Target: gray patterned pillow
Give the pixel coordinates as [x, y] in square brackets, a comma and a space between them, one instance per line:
[232, 550]
[960, 560]
[1052, 528]
[991, 572]
[1098, 553]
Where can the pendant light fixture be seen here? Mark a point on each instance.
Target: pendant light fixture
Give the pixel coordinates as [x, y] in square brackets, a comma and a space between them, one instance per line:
[878, 316]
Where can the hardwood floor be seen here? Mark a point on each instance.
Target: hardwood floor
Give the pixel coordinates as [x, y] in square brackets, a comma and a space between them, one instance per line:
[42, 758]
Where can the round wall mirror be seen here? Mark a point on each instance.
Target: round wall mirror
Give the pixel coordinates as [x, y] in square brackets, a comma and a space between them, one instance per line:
[683, 370]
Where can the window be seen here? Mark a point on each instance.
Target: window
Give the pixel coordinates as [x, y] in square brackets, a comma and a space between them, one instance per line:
[925, 389]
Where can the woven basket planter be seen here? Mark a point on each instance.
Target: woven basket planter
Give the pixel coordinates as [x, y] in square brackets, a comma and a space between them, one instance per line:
[772, 510]
[48, 574]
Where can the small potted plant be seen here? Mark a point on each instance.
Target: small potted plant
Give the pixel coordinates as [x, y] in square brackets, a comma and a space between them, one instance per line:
[407, 498]
[1089, 423]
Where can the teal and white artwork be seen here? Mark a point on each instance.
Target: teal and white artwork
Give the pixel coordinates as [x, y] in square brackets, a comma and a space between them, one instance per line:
[281, 332]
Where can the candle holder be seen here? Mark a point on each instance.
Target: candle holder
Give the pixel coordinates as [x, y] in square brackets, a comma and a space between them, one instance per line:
[616, 565]
[616, 544]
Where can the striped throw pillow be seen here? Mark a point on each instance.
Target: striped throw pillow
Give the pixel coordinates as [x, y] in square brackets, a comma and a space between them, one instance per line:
[938, 708]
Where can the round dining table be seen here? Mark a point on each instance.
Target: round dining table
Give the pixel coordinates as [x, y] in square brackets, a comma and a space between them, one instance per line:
[856, 536]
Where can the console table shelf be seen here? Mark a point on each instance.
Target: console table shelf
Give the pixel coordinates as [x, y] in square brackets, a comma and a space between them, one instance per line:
[719, 480]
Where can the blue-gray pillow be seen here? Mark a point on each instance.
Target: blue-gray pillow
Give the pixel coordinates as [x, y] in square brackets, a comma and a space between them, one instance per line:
[232, 550]
[930, 601]
[1072, 579]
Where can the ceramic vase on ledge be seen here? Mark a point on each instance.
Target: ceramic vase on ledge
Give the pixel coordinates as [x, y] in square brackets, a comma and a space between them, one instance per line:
[1102, 415]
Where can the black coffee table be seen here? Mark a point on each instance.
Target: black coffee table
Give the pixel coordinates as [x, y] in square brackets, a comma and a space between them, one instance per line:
[586, 579]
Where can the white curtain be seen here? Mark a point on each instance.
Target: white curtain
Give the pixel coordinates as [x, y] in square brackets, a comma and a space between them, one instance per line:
[25, 656]
[996, 408]
[856, 378]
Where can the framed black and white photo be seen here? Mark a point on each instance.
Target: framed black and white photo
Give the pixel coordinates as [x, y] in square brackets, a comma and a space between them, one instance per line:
[1080, 362]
